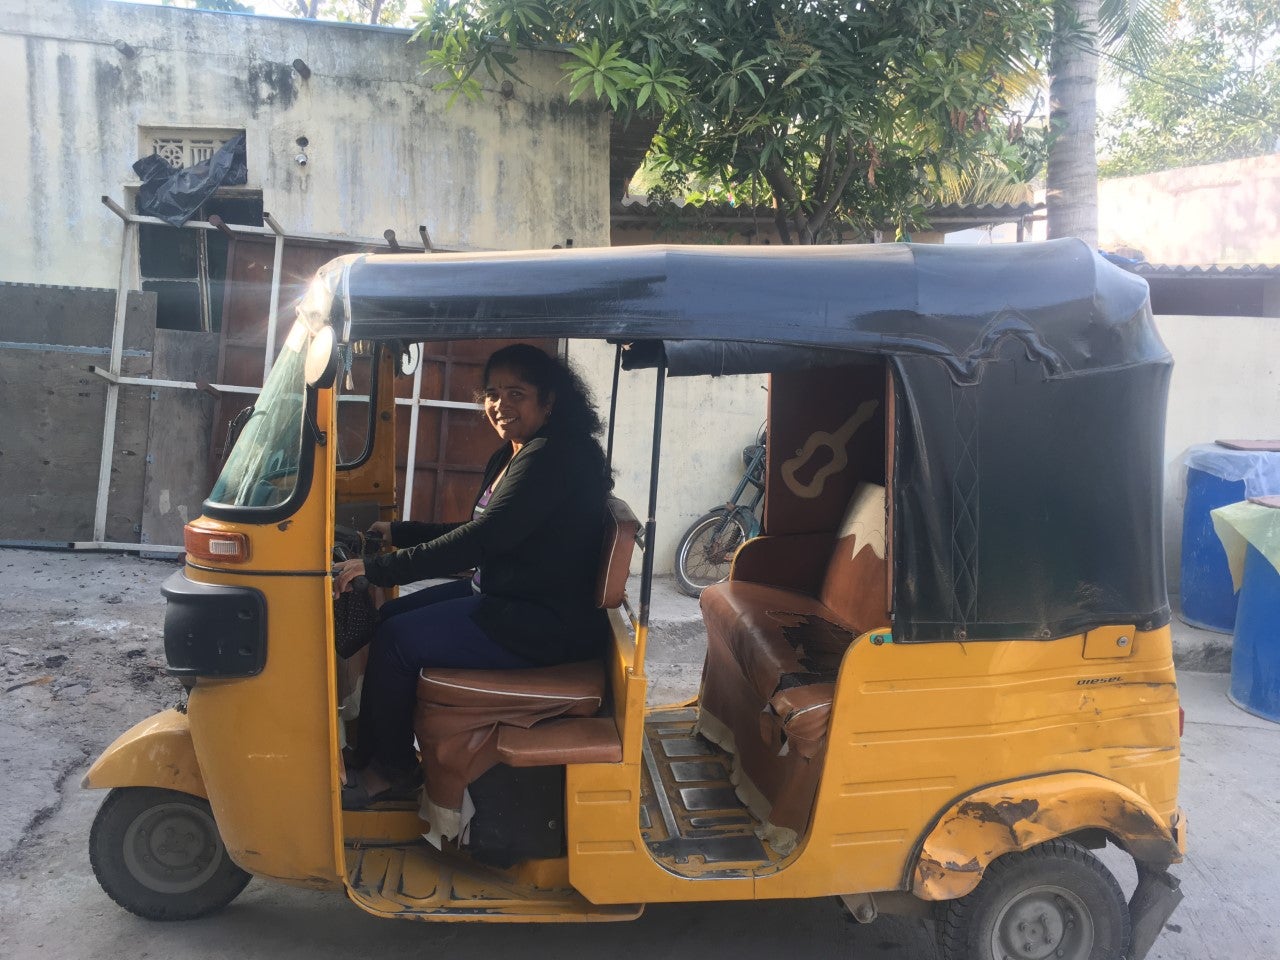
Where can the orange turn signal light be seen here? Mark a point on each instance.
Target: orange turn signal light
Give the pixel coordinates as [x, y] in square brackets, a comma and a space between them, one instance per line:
[216, 546]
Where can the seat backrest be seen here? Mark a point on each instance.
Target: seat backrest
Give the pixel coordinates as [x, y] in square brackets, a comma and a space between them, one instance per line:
[854, 588]
[620, 529]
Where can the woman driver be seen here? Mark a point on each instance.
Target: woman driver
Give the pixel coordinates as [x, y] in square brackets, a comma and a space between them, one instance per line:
[534, 540]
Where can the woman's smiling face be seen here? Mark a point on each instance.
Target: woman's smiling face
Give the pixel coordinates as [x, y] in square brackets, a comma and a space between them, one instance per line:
[512, 406]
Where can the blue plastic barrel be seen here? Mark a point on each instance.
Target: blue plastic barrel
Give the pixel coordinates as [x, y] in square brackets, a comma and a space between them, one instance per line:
[1255, 652]
[1208, 599]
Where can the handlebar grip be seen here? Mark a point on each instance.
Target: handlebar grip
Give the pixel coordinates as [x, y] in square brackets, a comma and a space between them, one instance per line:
[359, 584]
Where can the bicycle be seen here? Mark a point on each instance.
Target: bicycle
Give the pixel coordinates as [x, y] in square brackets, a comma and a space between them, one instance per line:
[705, 552]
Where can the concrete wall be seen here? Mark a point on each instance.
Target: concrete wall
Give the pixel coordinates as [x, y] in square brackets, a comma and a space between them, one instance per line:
[51, 410]
[383, 149]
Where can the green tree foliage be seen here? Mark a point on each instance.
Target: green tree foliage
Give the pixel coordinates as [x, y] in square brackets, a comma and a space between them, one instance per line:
[843, 116]
[1211, 93]
[223, 6]
[384, 12]
[387, 13]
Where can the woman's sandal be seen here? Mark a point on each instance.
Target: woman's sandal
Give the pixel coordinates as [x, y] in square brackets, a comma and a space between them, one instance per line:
[356, 795]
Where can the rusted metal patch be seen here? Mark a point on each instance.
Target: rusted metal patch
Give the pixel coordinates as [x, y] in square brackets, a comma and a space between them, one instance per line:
[978, 830]
[1006, 813]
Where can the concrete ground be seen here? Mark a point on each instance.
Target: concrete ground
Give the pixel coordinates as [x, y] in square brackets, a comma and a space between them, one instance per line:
[80, 661]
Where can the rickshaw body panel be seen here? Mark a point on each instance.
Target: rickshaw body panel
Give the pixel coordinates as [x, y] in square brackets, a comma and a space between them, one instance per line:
[157, 752]
[270, 779]
[917, 729]
[609, 862]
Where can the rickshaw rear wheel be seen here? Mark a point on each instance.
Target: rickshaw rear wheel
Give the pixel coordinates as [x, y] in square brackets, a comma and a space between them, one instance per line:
[158, 854]
[1055, 901]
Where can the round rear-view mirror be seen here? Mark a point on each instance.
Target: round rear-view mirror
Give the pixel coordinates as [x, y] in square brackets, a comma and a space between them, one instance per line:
[321, 365]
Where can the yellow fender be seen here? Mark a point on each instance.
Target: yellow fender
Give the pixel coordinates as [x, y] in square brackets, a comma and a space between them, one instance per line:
[1014, 816]
[157, 752]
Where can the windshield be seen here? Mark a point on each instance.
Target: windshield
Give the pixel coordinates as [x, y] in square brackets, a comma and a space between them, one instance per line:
[262, 470]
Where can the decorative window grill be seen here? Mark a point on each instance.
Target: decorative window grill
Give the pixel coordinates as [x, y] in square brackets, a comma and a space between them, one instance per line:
[184, 148]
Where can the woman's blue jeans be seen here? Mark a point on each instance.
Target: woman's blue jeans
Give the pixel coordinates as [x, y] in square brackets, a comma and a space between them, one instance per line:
[428, 628]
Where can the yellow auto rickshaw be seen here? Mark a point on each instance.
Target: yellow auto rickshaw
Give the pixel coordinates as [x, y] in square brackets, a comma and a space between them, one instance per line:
[938, 679]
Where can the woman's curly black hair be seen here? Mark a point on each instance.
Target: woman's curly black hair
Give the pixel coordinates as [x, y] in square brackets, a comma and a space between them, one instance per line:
[574, 410]
[573, 413]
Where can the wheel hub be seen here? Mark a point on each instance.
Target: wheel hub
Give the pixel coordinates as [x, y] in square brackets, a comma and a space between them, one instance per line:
[1043, 923]
[172, 848]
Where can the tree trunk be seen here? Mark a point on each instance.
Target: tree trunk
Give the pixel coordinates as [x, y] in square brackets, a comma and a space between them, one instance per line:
[1071, 189]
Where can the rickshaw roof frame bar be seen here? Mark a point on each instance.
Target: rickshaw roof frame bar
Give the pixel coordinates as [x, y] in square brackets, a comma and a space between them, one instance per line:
[613, 403]
[274, 229]
[409, 469]
[651, 523]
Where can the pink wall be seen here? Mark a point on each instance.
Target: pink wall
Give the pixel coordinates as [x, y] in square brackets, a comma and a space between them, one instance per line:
[1220, 213]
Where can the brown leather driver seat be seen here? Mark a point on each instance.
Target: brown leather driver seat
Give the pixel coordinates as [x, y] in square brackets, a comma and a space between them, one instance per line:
[467, 721]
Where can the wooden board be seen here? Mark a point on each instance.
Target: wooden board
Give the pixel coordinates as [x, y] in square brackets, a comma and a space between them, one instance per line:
[177, 468]
[826, 435]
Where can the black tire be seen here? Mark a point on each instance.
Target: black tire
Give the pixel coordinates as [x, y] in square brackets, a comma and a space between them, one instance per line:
[1055, 901]
[706, 550]
[158, 854]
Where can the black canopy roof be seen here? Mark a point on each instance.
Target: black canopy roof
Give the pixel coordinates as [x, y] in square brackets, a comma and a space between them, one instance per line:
[1073, 309]
[1031, 392]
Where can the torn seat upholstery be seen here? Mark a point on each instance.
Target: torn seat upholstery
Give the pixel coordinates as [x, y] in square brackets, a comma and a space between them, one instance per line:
[468, 720]
[777, 630]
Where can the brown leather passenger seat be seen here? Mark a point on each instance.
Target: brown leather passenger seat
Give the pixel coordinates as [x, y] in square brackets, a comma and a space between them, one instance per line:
[773, 653]
[467, 721]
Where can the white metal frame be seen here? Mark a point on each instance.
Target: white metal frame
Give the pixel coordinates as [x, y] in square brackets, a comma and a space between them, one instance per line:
[115, 379]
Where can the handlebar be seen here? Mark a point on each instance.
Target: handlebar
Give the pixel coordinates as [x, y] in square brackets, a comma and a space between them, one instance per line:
[359, 584]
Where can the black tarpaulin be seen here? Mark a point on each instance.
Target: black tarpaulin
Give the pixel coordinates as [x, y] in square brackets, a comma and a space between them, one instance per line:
[175, 195]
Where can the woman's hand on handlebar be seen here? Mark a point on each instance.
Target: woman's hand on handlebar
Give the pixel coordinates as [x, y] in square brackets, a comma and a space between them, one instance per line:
[382, 529]
[344, 573]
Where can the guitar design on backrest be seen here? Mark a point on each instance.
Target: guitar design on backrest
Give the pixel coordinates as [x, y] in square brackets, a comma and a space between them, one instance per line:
[836, 443]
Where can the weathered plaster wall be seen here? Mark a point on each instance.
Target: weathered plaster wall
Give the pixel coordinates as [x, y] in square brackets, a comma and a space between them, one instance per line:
[384, 150]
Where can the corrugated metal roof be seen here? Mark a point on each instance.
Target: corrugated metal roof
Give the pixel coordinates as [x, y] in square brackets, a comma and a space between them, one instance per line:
[1208, 270]
[987, 212]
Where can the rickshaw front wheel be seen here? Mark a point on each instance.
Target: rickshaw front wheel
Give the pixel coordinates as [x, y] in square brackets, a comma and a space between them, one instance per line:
[158, 854]
[1055, 901]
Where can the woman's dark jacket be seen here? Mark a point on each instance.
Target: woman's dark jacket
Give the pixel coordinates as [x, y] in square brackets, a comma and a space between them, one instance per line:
[537, 545]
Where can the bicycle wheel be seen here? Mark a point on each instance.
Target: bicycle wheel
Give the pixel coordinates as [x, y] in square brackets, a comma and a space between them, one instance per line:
[706, 550]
